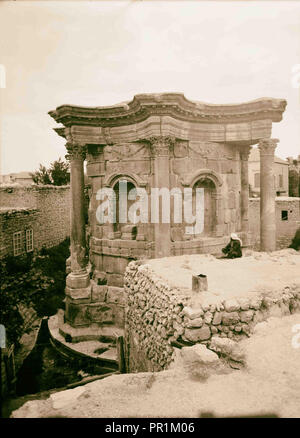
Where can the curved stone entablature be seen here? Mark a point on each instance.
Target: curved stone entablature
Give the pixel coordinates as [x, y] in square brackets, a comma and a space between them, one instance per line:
[174, 105]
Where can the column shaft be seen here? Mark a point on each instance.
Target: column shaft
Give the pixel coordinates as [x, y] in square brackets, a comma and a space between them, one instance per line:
[267, 195]
[162, 231]
[78, 276]
[244, 155]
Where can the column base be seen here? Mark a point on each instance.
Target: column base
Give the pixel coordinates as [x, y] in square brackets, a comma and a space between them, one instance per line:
[78, 281]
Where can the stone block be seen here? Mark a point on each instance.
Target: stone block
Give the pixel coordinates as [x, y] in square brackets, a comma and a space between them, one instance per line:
[200, 354]
[217, 319]
[101, 313]
[229, 318]
[80, 295]
[193, 323]
[77, 281]
[196, 335]
[192, 313]
[100, 278]
[99, 293]
[115, 280]
[76, 314]
[115, 295]
[231, 305]
[118, 312]
[246, 315]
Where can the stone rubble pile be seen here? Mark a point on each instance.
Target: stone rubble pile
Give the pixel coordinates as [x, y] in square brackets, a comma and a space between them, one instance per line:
[157, 316]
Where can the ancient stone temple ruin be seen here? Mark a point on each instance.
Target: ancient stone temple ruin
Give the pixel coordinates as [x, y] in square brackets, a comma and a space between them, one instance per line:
[159, 141]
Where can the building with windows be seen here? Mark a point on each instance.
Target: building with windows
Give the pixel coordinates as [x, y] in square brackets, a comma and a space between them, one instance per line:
[17, 229]
[32, 218]
[280, 172]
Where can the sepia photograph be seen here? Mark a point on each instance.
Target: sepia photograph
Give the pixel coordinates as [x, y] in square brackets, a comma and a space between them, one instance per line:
[149, 212]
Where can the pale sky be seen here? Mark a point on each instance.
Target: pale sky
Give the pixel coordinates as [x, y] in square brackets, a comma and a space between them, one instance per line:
[102, 53]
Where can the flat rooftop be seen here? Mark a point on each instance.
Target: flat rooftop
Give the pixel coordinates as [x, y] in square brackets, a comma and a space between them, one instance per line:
[255, 273]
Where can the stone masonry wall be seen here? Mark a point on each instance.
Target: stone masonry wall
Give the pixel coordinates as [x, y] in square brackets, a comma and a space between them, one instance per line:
[45, 209]
[285, 229]
[158, 318]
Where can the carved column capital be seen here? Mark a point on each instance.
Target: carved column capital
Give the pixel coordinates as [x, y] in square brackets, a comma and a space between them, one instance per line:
[160, 146]
[245, 152]
[75, 151]
[267, 146]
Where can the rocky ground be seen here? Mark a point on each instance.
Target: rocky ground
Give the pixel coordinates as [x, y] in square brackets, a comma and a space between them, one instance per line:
[200, 382]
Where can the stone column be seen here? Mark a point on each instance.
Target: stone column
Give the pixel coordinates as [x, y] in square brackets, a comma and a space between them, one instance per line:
[267, 194]
[244, 156]
[78, 278]
[160, 147]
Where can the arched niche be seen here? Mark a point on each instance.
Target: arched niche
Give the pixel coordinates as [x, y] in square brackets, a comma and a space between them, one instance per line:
[124, 228]
[212, 182]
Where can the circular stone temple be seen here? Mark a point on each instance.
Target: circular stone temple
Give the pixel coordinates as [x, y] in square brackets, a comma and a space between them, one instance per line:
[159, 141]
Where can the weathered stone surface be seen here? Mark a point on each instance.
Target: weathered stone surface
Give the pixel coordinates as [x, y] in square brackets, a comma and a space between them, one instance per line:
[115, 295]
[208, 317]
[199, 353]
[229, 318]
[98, 293]
[246, 316]
[190, 323]
[217, 319]
[255, 303]
[196, 335]
[100, 313]
[100, 278]
[231, 305]
[227, 347]
[192, 313]
[244, 303]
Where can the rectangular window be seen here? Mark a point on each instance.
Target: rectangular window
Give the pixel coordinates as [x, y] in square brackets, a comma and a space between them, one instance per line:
[29, 240]
[17, 243]
[257, 180]
[284, 215]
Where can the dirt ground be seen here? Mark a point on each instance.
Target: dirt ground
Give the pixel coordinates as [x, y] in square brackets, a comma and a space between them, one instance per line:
[269, 385]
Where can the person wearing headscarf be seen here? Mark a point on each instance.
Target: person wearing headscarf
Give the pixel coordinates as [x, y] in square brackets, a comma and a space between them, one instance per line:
[234, 248]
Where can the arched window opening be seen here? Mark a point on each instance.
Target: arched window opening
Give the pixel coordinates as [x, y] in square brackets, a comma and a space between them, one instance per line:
[209, 205]
[122, 224]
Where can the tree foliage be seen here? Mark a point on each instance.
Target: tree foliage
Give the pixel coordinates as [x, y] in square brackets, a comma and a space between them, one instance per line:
[35, 281]
[57, 174]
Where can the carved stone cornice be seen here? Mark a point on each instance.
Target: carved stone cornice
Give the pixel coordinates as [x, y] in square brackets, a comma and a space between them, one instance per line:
[76, 151]
[161, 145]
[267, 146]
[174, 105]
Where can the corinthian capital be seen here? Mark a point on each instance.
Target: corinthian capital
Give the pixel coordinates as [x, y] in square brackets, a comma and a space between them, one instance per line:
[75, 151]
[245, 152]
[160, 145]
[267, 146]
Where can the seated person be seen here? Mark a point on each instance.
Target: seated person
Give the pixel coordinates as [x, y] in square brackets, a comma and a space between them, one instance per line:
[296, 241]
[234, 247]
